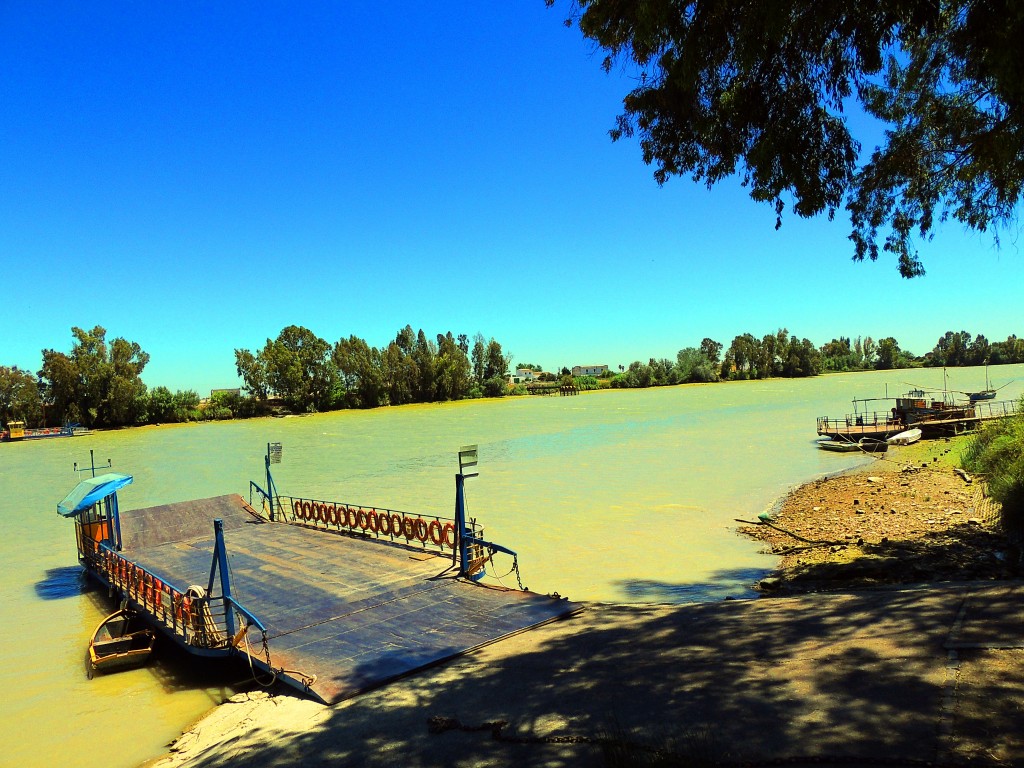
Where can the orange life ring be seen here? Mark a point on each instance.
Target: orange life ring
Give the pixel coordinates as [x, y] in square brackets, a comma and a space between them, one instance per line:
[409, 527]
[332, 514]
[371, 521]
[296, 509]
[421, 529]
[384, 523]
[363, 519]
[158, 593]
[434, 532]
[184, 610]
[307, 510]
[449, 528]
[350, 517]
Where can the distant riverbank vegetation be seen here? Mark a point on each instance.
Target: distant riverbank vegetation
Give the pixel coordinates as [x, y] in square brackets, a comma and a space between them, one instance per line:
[98, 383]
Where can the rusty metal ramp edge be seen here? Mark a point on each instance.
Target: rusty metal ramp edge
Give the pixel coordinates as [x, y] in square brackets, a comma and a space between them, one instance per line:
[404, 633]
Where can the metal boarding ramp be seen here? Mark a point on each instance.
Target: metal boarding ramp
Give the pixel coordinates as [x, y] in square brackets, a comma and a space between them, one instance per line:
[327, 607]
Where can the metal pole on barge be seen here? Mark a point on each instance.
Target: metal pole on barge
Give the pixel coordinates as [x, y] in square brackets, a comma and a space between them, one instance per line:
[220, 560]
[467, 458]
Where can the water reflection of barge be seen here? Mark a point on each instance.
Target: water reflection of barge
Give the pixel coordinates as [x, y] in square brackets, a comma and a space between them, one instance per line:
[935, 413]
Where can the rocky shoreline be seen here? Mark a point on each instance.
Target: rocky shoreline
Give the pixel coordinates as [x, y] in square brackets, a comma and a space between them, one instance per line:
[910, 517]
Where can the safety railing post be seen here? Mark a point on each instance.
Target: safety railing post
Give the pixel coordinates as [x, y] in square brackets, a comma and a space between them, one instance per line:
[460, 523]
[220, 560]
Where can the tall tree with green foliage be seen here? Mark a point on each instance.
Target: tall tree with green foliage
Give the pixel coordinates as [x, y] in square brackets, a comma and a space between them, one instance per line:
[761, 89]
[296, 366]
[362, 372]
[19, 397]
[96, 384]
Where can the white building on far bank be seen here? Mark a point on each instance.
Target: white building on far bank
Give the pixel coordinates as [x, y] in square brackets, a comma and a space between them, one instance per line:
[589, 370]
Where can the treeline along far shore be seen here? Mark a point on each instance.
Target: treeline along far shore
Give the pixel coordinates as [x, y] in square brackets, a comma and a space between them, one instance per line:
[99, 382]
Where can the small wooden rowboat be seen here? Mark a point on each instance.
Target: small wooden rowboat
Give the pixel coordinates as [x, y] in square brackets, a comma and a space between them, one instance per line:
[905, 437]
[121, 641]
[865, 444]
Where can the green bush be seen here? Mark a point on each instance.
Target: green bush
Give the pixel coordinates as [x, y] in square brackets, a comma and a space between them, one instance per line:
[997, 452]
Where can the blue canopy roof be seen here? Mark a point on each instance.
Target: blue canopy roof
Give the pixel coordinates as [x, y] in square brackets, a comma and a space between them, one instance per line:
[89, 491]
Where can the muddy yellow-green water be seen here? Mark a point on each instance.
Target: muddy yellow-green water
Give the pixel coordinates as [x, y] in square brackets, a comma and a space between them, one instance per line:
[626, 496]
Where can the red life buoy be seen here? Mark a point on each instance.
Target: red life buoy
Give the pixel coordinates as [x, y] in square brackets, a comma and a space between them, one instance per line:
[421, 529]
[158, 593]
[332, 514]
[449, 535]
[307, 510]
[363, 519]
[396, 524]
[184, 609]
[371, 521]
[297, 509]
[434, 532]
[409, 527]
[384, 523]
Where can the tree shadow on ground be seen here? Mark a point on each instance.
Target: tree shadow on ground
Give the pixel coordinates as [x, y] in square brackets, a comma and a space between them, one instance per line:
[965, 552]
[843, 676]
[721, 585]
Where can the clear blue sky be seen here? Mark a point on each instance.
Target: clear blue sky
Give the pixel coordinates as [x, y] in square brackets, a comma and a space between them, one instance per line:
[197, 176]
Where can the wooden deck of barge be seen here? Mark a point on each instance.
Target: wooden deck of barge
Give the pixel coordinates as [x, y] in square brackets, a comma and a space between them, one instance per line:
[348, 613]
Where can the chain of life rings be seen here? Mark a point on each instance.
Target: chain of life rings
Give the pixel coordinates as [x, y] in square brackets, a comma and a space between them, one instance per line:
[380, 522]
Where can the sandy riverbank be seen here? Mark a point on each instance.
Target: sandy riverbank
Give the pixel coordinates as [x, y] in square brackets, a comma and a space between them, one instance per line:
[843, 675]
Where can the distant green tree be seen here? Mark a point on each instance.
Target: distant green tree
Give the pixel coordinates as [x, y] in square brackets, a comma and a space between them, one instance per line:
[694, 365]
[19, 396]
[96, 384]
[186, 406]
[362, 371]
[838, 355]
[979, 350]
[495, 362]
[452, 377]
[888, 352]
[711, 349]
[161, 407]
[252, 369]
[424, 354]
[950, 350]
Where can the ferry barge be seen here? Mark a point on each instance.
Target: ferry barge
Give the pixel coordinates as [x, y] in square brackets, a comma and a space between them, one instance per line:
[329, 597]
[935, 413]
[16, 430]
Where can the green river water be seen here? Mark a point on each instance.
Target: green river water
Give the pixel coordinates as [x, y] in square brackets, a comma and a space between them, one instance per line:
[620, 496]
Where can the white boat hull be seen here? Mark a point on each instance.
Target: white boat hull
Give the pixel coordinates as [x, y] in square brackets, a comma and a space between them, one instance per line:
[905, 438]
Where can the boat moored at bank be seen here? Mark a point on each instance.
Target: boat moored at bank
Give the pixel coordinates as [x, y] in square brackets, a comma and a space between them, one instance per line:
[934, 413]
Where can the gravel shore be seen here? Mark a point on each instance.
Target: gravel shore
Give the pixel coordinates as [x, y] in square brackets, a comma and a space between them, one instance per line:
[910, 517]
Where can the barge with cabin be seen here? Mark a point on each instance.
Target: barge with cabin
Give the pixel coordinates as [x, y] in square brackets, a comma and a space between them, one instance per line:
[935, 413]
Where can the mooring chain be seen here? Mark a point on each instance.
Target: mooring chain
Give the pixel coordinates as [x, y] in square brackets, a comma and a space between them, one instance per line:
[514, 569]
[438, 724]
